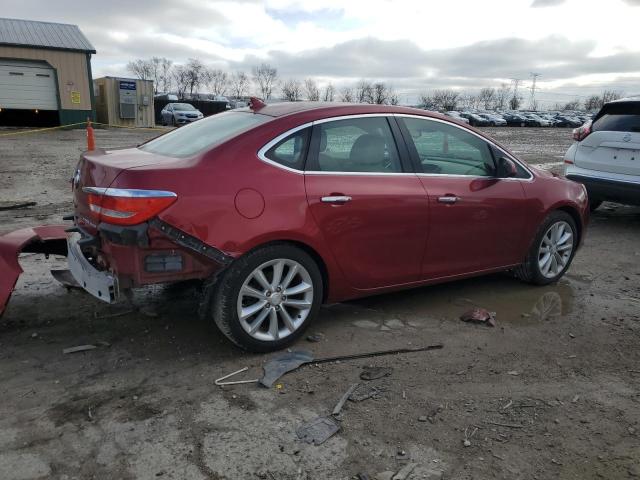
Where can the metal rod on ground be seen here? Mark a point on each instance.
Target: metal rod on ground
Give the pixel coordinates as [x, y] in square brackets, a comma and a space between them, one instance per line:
[437, 346]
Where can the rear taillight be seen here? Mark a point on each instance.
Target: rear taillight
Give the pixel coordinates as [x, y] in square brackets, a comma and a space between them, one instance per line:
[582, 132]
[127, 206]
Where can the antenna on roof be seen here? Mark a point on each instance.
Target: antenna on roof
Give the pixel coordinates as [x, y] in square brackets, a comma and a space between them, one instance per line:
[256, 104]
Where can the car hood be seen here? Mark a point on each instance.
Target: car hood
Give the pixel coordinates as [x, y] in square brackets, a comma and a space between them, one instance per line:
[188, 111]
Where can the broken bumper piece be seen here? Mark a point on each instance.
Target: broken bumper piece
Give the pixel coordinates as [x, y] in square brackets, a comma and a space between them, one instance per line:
[102, 285]
[47, 239]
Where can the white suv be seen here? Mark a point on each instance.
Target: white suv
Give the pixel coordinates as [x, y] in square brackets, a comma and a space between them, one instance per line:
[606, 154]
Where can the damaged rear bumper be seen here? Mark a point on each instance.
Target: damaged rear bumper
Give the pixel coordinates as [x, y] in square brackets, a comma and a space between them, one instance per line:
[47, 239]
[101, 284]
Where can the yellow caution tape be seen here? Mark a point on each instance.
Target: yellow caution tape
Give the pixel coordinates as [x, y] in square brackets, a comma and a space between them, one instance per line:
[48, 129]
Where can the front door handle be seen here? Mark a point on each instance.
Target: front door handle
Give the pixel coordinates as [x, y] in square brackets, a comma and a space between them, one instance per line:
[448, 199]
[339, 199]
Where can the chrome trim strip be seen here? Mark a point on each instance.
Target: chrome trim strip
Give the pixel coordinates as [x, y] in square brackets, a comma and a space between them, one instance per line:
[265, 148]
[128, 193]
[335, 199]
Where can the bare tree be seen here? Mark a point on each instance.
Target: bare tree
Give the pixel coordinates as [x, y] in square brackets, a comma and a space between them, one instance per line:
[487, 97]
[311, 90]
[502, 96]
[239, 84]
[266, 78]
[164, 80]
[218, 81]
[380, 93]
[196, 74]
[609, 96]
[592, 103]
[572, 105]
[346, 95]
[329, 93]
[181, 79]
[394, 99]
[142, 69]
[292, 90]
[440, 100]
[364, 92]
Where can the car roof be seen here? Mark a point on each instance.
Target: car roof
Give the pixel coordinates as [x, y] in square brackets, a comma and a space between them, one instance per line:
[329, 109]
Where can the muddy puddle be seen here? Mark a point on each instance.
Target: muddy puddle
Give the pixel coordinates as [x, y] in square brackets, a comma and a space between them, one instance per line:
[513, 302]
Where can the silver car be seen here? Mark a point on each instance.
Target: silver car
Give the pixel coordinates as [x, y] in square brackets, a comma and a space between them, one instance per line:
[179, 114]
[606, 154]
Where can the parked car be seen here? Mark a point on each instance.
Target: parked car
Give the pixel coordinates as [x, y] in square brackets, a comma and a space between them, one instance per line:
[606, 154]
[475, 120]
[456, 116]
[533, 120]
[179, 114]
[282, 207]
[514, 119]
[493, 119]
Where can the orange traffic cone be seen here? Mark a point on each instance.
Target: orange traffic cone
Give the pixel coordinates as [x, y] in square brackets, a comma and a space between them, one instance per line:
[91, 141]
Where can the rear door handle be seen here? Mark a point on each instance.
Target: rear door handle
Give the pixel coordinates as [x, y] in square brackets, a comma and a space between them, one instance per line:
[336, 199]
[448, 199]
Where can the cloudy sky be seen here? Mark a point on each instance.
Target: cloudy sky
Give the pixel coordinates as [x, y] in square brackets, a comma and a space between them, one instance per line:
[578, 46]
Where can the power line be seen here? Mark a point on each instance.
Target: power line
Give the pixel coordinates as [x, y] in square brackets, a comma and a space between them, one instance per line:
[534, 77]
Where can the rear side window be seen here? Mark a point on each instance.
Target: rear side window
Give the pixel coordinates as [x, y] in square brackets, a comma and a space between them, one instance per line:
[291, 151]
[204, 134]
[618, 117]
[617, 123]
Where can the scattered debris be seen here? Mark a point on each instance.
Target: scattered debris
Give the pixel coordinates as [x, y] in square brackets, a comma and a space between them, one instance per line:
[507, 425]
[373, 373]
[220, 381]
[422, 418]
[315, 337]
[479, 315]
[65, 278]
[5, 205]
[343, 399]
[278, 366]
[112, 315]
[362, 476]
[466, 442]
[508, 405]
[575, 399]
[515, 373]
[34, 335]
[386, 475]
[372, 392]
[79, 348]
[318, 430]
[405, 471]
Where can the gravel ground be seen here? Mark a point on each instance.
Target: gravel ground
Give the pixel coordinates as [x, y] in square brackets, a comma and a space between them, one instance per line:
[551, 392]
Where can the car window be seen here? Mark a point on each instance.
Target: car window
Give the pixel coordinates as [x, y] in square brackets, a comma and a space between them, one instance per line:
[617, 123]
[449, 150]
[292, 150]
[204, 134]
[362, 144]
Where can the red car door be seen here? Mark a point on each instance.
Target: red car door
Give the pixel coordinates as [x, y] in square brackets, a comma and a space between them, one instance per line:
[476, 219]
[372, 214]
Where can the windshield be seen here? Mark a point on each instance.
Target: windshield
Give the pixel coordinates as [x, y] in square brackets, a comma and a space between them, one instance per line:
[183, 106]
[203, 134]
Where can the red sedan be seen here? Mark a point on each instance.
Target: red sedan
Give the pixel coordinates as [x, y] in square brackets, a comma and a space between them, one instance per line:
[283, 207]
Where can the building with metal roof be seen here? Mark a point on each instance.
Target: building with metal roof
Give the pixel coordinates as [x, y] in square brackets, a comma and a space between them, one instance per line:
[45, 73]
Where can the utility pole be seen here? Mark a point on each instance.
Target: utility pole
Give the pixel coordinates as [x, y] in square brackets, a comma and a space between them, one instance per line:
[534, 77]
[514, 103]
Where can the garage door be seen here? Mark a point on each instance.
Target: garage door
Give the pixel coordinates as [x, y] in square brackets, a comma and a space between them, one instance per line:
[27, 85]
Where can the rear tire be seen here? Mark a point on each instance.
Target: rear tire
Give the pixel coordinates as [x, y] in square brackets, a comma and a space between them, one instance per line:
[266, 299]
[551, 251]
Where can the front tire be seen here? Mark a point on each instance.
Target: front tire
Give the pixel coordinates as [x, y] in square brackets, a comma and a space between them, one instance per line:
[551, 251]
[266, 299]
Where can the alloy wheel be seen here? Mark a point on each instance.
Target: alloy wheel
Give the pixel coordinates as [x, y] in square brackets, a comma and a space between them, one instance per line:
[275, 299]
[555, 249]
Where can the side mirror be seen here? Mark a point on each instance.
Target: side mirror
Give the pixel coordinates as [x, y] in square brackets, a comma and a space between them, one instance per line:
[506, 168]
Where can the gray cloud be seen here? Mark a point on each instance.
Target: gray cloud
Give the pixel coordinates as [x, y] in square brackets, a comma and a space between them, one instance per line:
[547, 3]
[633, 3]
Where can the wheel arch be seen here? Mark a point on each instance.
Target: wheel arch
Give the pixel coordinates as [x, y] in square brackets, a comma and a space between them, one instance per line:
[575, 215]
